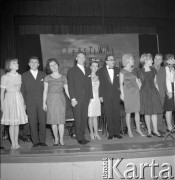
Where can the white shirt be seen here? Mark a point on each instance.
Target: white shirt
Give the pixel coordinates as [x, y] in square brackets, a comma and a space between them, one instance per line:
[82, 68]
[34, 73]
[170, 78]
[111, 73]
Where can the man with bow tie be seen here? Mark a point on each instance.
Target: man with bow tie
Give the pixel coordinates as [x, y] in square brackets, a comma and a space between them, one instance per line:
[109, 91]
[80, 90]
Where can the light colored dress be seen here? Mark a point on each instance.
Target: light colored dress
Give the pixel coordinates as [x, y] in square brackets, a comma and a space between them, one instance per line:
[13, 110]
[131, 92]
[56, 102]
[94, 108]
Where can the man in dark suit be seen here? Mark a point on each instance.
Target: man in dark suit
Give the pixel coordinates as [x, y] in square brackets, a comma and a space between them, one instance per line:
[80, 90]
[110, 93]
[32, 90]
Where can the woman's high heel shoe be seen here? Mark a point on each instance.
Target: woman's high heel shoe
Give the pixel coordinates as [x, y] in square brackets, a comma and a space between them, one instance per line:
[157, 134]
[92, 137]
[140, 133]
[97, 136]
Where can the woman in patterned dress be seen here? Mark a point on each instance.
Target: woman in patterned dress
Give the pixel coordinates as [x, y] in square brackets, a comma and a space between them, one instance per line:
[54, 102]
[94, 109]
[12, 103]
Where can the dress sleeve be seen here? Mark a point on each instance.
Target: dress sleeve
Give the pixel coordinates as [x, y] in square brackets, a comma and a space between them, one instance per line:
[154, 72]
[4, 81]
[64, 80]
[140, 75]
[46, 79]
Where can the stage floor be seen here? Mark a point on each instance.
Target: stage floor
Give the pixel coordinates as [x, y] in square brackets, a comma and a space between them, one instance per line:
[94, 150]
[86, 162]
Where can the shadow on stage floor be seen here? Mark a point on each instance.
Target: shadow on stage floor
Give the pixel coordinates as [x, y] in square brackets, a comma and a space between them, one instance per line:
[95, 150]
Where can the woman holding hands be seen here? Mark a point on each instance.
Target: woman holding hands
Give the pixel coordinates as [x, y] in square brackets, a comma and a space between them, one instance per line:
[54, 102]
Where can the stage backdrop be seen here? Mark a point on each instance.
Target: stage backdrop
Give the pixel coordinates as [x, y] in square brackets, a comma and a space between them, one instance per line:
[64, 47]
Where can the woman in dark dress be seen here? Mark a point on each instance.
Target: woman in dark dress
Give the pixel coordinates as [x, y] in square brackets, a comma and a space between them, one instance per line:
[54, 102]
[150, 103]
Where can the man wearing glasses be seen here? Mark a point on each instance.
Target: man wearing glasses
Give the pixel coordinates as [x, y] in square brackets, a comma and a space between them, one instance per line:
[109, 91]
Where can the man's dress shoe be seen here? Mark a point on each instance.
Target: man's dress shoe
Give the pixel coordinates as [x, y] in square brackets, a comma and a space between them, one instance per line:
[83, 142]
[118, 136]
[86, 141]
[42, 144]
[36, 145]
[110, 137]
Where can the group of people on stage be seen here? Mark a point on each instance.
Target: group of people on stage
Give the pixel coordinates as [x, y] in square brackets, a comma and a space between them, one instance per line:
[35, 99]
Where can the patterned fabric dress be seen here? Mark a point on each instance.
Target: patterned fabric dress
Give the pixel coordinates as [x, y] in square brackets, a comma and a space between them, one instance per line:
[94, 108]
[13, 110]
[131, 92]
[56, 103]
[149, 95]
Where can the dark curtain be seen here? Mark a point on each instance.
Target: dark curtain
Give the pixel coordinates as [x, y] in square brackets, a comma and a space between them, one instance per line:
[148, 44]
[85, 17]
[166, 40]
[28, 46]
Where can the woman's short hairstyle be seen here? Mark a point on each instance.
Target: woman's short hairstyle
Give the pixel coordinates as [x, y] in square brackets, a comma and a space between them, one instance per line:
[48, 70]
[97, 61]
[126, 58]
[143, 59]
[169, 56]
[8, 62]
[149, 56]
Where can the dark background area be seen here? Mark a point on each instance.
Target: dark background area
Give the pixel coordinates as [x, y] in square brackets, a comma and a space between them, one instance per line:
[23, 20]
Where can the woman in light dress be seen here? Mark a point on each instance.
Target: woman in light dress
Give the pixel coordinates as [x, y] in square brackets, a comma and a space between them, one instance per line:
[12, 103]
[94, 109]
[169, 104]
[129, 86]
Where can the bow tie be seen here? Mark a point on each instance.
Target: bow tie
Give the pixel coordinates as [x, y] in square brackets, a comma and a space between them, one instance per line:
[110, 68]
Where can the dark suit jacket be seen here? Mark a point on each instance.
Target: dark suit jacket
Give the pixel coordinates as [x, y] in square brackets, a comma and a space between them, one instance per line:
[79, 85]
[107, 90]
[32, 90]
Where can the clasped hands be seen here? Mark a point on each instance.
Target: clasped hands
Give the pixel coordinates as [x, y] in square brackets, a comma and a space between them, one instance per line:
[74, 102]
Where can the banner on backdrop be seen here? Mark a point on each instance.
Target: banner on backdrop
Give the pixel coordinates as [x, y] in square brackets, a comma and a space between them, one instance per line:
[64, 48]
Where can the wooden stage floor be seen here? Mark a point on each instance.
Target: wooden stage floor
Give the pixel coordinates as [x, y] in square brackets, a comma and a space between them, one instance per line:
[82, 162]
[93, 150]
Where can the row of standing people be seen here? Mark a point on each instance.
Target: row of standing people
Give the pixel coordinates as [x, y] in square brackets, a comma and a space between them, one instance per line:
[149, 91]
[85, 89]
